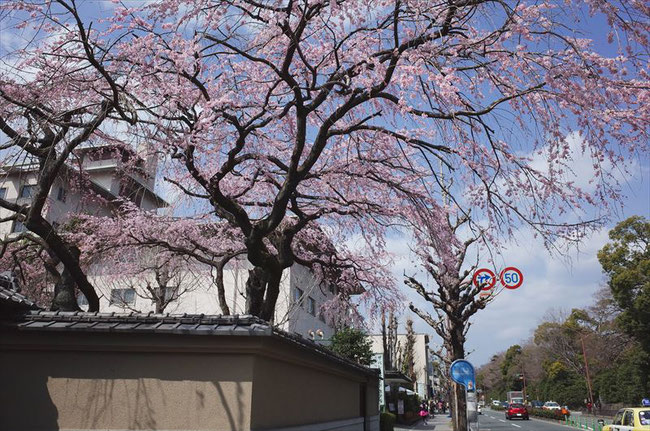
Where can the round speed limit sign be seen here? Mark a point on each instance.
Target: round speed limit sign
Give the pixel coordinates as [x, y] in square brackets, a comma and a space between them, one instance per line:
[511, 278]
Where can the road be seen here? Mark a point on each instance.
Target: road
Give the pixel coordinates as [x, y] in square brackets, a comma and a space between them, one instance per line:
[489, 421]
[492, 420]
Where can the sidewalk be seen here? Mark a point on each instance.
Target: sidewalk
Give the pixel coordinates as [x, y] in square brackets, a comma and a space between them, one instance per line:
[439, 423]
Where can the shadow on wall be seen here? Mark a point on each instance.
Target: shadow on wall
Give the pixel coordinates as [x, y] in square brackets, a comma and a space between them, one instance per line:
[91, 390]
[14, 385]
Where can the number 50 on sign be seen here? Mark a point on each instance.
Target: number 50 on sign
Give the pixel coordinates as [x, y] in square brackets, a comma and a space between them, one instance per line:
[511, 277]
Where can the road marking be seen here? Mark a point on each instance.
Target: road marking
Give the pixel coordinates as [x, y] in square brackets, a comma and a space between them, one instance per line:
[502, 420]
[515, 425]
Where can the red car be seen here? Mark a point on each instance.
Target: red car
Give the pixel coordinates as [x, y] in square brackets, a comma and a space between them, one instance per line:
[517, 411]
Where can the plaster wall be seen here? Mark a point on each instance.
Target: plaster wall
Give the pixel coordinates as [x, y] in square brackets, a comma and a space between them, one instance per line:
[113, 390]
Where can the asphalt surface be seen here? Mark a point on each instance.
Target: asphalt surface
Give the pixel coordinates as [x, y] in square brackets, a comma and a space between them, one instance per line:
[492, 420]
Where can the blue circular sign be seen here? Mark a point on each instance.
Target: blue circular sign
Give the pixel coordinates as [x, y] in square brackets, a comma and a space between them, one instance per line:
[462, 372]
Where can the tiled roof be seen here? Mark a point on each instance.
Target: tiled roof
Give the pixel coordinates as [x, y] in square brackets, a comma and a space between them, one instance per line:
[180, 324]
[10, 298]
[195, 324]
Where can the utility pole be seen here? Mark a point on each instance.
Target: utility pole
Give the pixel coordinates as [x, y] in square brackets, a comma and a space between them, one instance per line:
[584, 355]
[523, 377]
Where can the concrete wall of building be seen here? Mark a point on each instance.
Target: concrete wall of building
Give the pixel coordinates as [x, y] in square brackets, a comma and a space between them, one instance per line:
[201, 295]
[56, 210]
[11, 184]
[297, 316]
[72, 381]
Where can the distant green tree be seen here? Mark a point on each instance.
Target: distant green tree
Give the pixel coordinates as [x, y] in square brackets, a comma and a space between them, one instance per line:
[408, 356]
[353, 344]
[626, 261]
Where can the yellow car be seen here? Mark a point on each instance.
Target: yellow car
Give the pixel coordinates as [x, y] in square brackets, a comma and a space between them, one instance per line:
[630, 419]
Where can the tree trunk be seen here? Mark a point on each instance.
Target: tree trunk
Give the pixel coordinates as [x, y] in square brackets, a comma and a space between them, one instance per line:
[68, 255]
[64, 294]
[221, 289]
[457, 350]
[271, 298]
[255, 287]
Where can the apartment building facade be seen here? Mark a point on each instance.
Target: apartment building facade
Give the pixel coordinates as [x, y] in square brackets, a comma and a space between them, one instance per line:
[106, 182]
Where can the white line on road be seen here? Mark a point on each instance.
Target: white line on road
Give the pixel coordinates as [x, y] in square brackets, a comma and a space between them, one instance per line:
[515, 425]
[502, 420]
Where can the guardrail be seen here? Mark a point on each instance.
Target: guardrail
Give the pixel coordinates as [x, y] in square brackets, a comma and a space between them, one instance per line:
[592, 424]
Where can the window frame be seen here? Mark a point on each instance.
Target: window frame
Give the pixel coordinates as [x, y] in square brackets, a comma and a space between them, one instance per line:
[298, 295]
[311, 306]
[24, 187]
[628, 416]
[122, 299]
[61, 194]
[618, 418]
[18, 223]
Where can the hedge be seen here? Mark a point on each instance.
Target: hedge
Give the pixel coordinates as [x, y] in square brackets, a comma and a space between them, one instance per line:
[387, 421]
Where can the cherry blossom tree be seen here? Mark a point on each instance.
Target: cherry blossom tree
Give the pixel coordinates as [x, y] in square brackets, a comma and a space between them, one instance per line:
[454, 297]
[320, 110]
[279, 114]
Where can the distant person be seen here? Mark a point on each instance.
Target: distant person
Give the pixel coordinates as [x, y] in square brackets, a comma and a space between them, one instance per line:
[589, 407]
[432, 408]
[424, 413]
[441, 407]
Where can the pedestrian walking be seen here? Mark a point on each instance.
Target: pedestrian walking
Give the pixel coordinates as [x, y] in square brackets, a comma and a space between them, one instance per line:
[423, 414]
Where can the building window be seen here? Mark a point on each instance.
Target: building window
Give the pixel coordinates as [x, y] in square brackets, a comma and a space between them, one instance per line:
[18, 227]
[169, 294]
[311, 306]
[122, 296]
[297, 296]
[3, 193]
[26, 191]
[81, 300]
[61, 194]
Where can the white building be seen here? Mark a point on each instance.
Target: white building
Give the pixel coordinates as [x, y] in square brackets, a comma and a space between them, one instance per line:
[68, 195]
[301, 295]
[420, 359]
[298, 308]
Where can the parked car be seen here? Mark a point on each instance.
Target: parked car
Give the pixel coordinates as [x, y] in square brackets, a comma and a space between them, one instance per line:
[630, 419]
[505, 404]
[496, 403]
[551, 405]
[517, 410]
[536, 404]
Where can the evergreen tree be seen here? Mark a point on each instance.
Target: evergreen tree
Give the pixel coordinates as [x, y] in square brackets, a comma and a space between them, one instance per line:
[353, 344]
